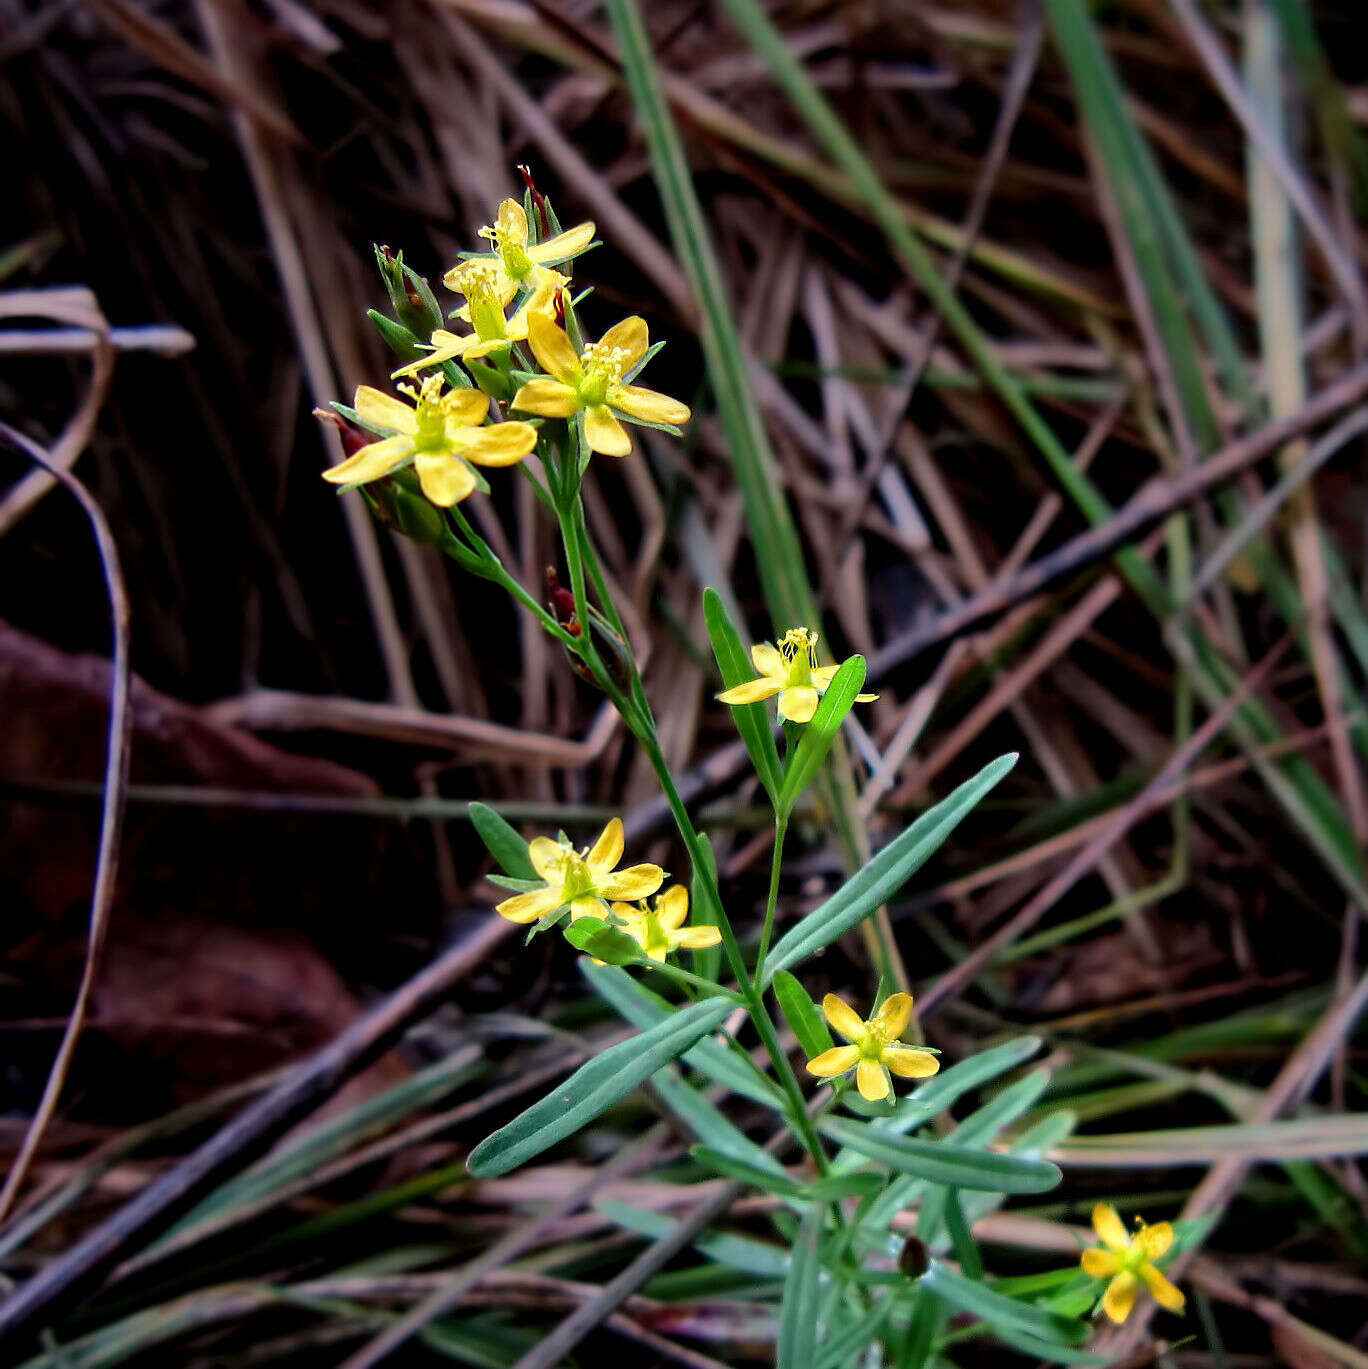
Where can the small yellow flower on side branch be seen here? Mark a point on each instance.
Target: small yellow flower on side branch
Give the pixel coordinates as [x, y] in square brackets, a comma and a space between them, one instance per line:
[592, 381]
[583, 881]
[439, 433]
[518, 262]
[874, 1047]
[1128, 1261]
[660, 929]
[789, 670]
[484, 310]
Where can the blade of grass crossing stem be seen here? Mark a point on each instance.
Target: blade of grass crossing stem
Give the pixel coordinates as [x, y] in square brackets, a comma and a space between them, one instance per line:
[595, 1087]
[1293, 781]
[779, 554]
[798, 1311]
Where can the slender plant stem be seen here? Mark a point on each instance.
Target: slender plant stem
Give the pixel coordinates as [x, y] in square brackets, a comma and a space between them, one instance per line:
[776, 860]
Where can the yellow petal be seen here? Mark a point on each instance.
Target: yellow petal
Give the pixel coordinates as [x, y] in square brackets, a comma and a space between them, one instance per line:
[909, 1063]
[529, 907]
[445, 479]
[625, 911]
[548, 859]
[872, 1082]
[767, 660]
[547, 398]
[1161, 1290]
[893, 1015]
[564, 245]
[844, 1018]
[512, 223]
[673, 908]
[798, 703]
[865, 698]
[465, 408]
[696, 938]
[541, 300]
[604, 433]
[822, 676]
[1155, 1240]
[552, 348]
[636, 401]
[1109, 1227]
[835, 1061]
[751, 692]
[586, 906]
[1100, 1264]
[496, 444]
[446, 347]
[385, 411]
[605, 853]
[482, 349]
[631, 336]
[372, 461]
[636, 881]
[1119, 1298]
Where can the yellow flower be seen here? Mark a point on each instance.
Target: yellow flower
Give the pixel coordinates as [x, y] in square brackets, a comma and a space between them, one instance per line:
[440, 433]
[593, 381]
[661, 929]
[789, 670]
[1128, 1261]
[874, 1049]
[484, 310]
[583, 880]
[519, 263]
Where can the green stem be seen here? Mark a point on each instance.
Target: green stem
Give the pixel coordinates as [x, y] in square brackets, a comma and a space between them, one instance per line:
[776, 859]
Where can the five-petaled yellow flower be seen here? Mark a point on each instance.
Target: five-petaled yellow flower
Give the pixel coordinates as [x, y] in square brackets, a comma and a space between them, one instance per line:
[440, 433]
[582, 880]
[522, 264]
[660, 929]
[1127, 1261]
[874, 1049]
[592, 381]
[484, 310]
[789, 670]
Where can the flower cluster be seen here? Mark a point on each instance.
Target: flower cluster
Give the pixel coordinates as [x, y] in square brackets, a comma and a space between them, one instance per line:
[659, 928]
[514, 295]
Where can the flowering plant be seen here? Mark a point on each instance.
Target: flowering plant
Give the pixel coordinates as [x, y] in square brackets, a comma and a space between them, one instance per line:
[878, 1219]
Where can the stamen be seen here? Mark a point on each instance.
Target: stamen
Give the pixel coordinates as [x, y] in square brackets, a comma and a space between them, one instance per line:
[477, 281]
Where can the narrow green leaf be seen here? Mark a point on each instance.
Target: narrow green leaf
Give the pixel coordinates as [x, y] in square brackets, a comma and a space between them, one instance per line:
[820, 732]
[939, 1092]
[737, 1252]
[843, 1186]
[503, 842]
[874, 885]
[799, 1328]
[643, 1008]
[708, 1124]
[802, 1015]
[1002, 1313]
[752, 720]
[939, 1163]
[729, 1167]
[594, 1087]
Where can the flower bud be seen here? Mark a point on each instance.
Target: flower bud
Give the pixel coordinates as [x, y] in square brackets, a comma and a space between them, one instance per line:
[415, 306]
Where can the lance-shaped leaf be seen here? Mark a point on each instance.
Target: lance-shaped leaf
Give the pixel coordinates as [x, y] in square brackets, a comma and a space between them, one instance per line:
[955, 1166]
[820, 732]
[800, 1309]
[595, 1087]
[874, 885]
[752, 720]
[800, 1012]
[1018, 1323]
[597, 938]
[503, 841]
